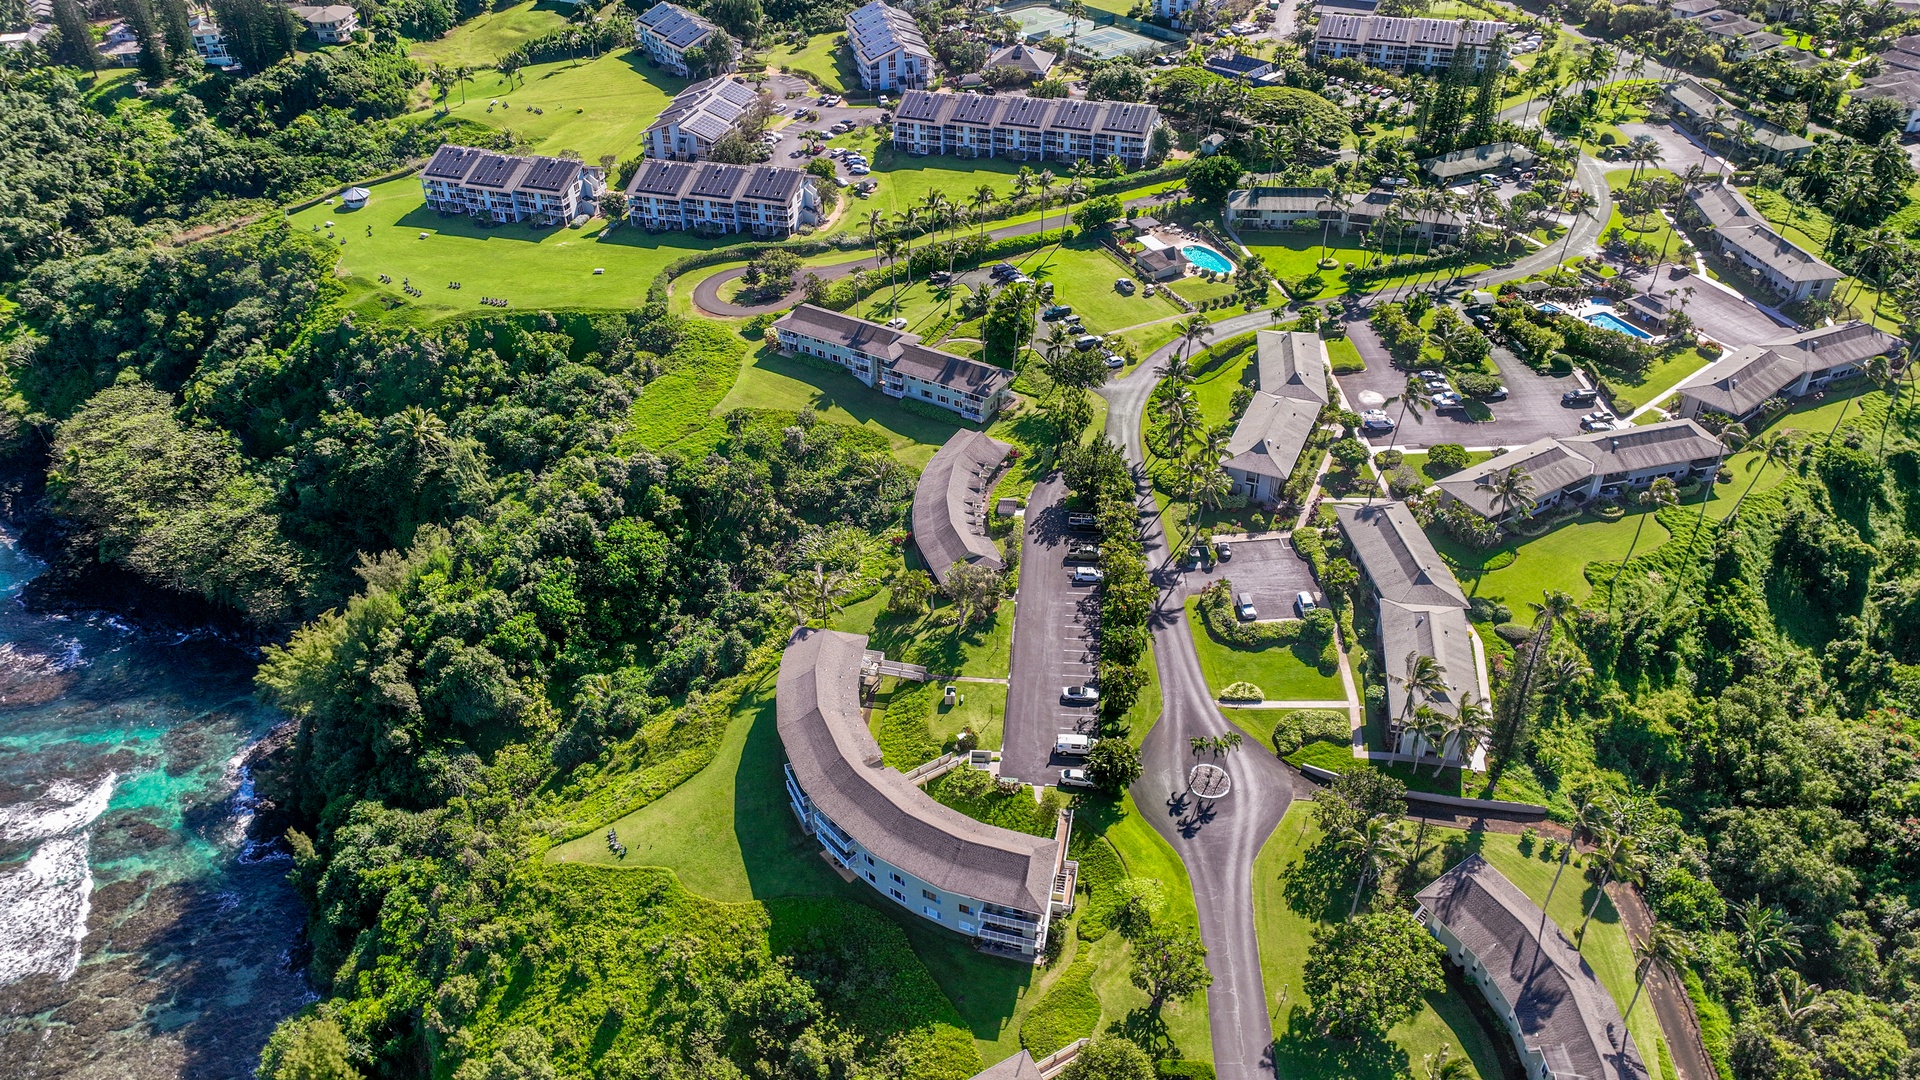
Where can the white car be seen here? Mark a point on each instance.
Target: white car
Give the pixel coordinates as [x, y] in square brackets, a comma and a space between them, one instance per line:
[1597, 420]
[1079, 695]
[1376, 420]
[897, 323]
[1447, 399]
[1075, 778]
[1087, 575]
[858, 170]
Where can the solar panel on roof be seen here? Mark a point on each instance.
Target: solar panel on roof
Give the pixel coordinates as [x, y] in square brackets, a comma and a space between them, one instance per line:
[1026, 112]
[492, 171]
[451, 162]
[550, 174]
[716, 181]
[919, 105]
[1078, 115]
[660, 178]
[771, 184]
[975, 110]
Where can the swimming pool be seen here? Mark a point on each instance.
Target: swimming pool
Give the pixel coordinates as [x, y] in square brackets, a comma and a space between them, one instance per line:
[1607, 320]
[1206, 258]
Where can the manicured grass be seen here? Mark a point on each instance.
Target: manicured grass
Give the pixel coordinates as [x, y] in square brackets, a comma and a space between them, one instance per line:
[1606, 948]
[981, 706]
[932, 640]
[1337, 756]
[904, 180]
[1196, 288]
[768, 380]
[492, 34]
[1666, 372]
[1289, 900]
[1344, 356]
[1083, 274]
[1292, 255]
[833, 67]
[1146, 340]
[1417, 461]
[1557, 560]
[1284, 674]
[530, 268]
[595, 107]
[1216, 379]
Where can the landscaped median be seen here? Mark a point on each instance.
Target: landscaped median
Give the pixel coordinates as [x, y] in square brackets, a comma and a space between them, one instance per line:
[1287, 659]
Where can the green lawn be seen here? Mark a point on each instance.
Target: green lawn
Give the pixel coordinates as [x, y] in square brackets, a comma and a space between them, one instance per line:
[1557, 560]
[1215, 381]
[1344, 355]
[593, 108]
[905, 179]
[832, 67]
[932, 640]
[1083, 274]
[1516, 784]
[1196, 288]
[492, 34]
[1288, 902]
[531, 268]
[1667, 371]
[1145, 340]
[1284, 674]
[1417, 461]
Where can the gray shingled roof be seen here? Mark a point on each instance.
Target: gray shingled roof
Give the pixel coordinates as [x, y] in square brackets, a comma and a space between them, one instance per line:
[1549, 466]
[953, 372]
[1295, 200]
[1270, 435]
[1477, 159]
[1020, 1066]
[1397, 556]
[1735, 220]
[858, 334]
[1554, 463]
[1035, 62]
[1437, 630]
[1291, 364]
[837, 763]
[950, 504]
[1562, 1011]
[1740, 381]
[1446, 33]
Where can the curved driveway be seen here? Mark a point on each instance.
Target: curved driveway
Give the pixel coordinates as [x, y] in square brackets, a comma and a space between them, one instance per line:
[1217, 842]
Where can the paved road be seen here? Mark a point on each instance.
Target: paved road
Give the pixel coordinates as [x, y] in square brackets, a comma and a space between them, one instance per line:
[1218, 842]
[1592, 175]
[1668, 997]
[1532, 409]
[1053, 643]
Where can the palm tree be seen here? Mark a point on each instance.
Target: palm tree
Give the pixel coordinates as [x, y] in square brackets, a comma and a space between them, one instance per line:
[907, 221]
[1175, 370]
[1423, 679]
[890, 251]
[1183, 419]
[1773, 448]
[1586, 813]
[1045, 183]
[981, 200]
[1555, 609]
[1767, 937]
[1469, 725]
[1665, 948]
[1618, 862]
[1660, 494]
[1512, 489]
[1193, 328]
[875, 220]
[1377, 846]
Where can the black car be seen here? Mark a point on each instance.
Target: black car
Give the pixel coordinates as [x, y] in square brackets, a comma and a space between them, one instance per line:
[1576, 398]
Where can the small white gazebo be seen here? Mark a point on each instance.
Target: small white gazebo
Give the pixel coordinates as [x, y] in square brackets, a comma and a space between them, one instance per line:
[355, 197]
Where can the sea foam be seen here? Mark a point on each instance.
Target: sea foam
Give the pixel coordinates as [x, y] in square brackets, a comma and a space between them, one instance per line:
[44, 902]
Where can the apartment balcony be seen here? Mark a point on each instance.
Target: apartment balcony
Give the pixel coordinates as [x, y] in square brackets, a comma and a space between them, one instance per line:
[1007, 915]
[986, 933]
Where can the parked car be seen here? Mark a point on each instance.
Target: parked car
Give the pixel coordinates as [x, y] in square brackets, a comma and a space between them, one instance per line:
[1447, 399]
[1498, 393]
[1002, 271]
[1597, 420]
[1087, 575]
[1057, 311]
[1116, 361]
[1124, 286]
[1079, 695]
[1080, 521]
[1085, 342]
[897, 323]
[1083, 551]
[939, 277]
[1574, 398]
[1376, 420]
[1075, 778]
[1243, 606]
[1221, 551]
[859, 170]
[1072, 744]
[1303, 603]
[1434, 380]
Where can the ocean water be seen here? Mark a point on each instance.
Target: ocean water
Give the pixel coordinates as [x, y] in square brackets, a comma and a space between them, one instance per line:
[142, 933]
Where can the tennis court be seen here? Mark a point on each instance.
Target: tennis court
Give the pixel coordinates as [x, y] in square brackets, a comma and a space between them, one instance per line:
[1098, 42]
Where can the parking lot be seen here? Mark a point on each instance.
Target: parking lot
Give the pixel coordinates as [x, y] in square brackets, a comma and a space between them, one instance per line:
[1531, 411]
[1055, 643]
[1268, 568]
[1726, 318]
[790, 149]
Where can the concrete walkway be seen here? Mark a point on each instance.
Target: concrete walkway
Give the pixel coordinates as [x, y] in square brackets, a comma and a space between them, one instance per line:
[1217, 840]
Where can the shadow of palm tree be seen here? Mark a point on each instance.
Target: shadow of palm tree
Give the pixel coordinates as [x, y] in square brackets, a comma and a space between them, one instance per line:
[1301, 1051]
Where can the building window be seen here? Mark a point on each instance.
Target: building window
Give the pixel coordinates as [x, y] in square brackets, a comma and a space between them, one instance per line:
[930, 895]
[897, 879]
[870, 877]
[966, 909]
[931, 913]
[897, 895]
[869, 860]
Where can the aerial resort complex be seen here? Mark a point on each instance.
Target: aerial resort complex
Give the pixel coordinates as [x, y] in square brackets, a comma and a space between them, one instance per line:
[928, 540]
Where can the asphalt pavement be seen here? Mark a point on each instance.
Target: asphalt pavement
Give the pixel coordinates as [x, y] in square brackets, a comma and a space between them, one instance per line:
[1531, 411]
[1054, 643]
[1217, 839]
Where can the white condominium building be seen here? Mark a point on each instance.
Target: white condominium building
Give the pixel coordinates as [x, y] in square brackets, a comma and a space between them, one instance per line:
[668, 32]
[894, 362]
[888, 48]
[502, 187]
[698, 117]
[712, 197]
[1028, 129]
[1383, 41]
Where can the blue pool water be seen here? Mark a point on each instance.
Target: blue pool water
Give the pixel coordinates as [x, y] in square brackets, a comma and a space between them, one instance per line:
[1206, 258]
[1607, 320]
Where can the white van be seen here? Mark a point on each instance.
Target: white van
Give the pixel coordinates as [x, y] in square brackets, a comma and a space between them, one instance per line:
[1072, 744]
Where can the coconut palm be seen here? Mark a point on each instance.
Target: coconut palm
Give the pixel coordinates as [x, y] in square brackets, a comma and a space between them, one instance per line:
[1766, 936]
[1377, 846]
[981, 200]
[1422, 679]
[1512, 490]
[1665, 948]
[1175, 369]
[1468, 726]
[1045, 183]
[1193, 328]
[1660, 494]
[1183, 420]
[1586, 815]
[890, 251]
[1773, 448]
[1618, 861]
[876, 220]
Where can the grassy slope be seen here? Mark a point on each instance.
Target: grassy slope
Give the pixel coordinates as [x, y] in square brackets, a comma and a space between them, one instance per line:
[486, 37]
[592, 107]
[819, 58]
[1283, 673]
[931, 640]
[1287, 906]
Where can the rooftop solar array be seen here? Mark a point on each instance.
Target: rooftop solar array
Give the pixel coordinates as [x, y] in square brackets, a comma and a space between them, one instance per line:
[494, 171]
[550, 174]
[714, 180]
[1037, 114]
[676, 25]
[452, 162]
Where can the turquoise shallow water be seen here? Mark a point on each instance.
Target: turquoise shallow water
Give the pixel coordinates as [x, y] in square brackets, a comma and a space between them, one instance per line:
[141, 934]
